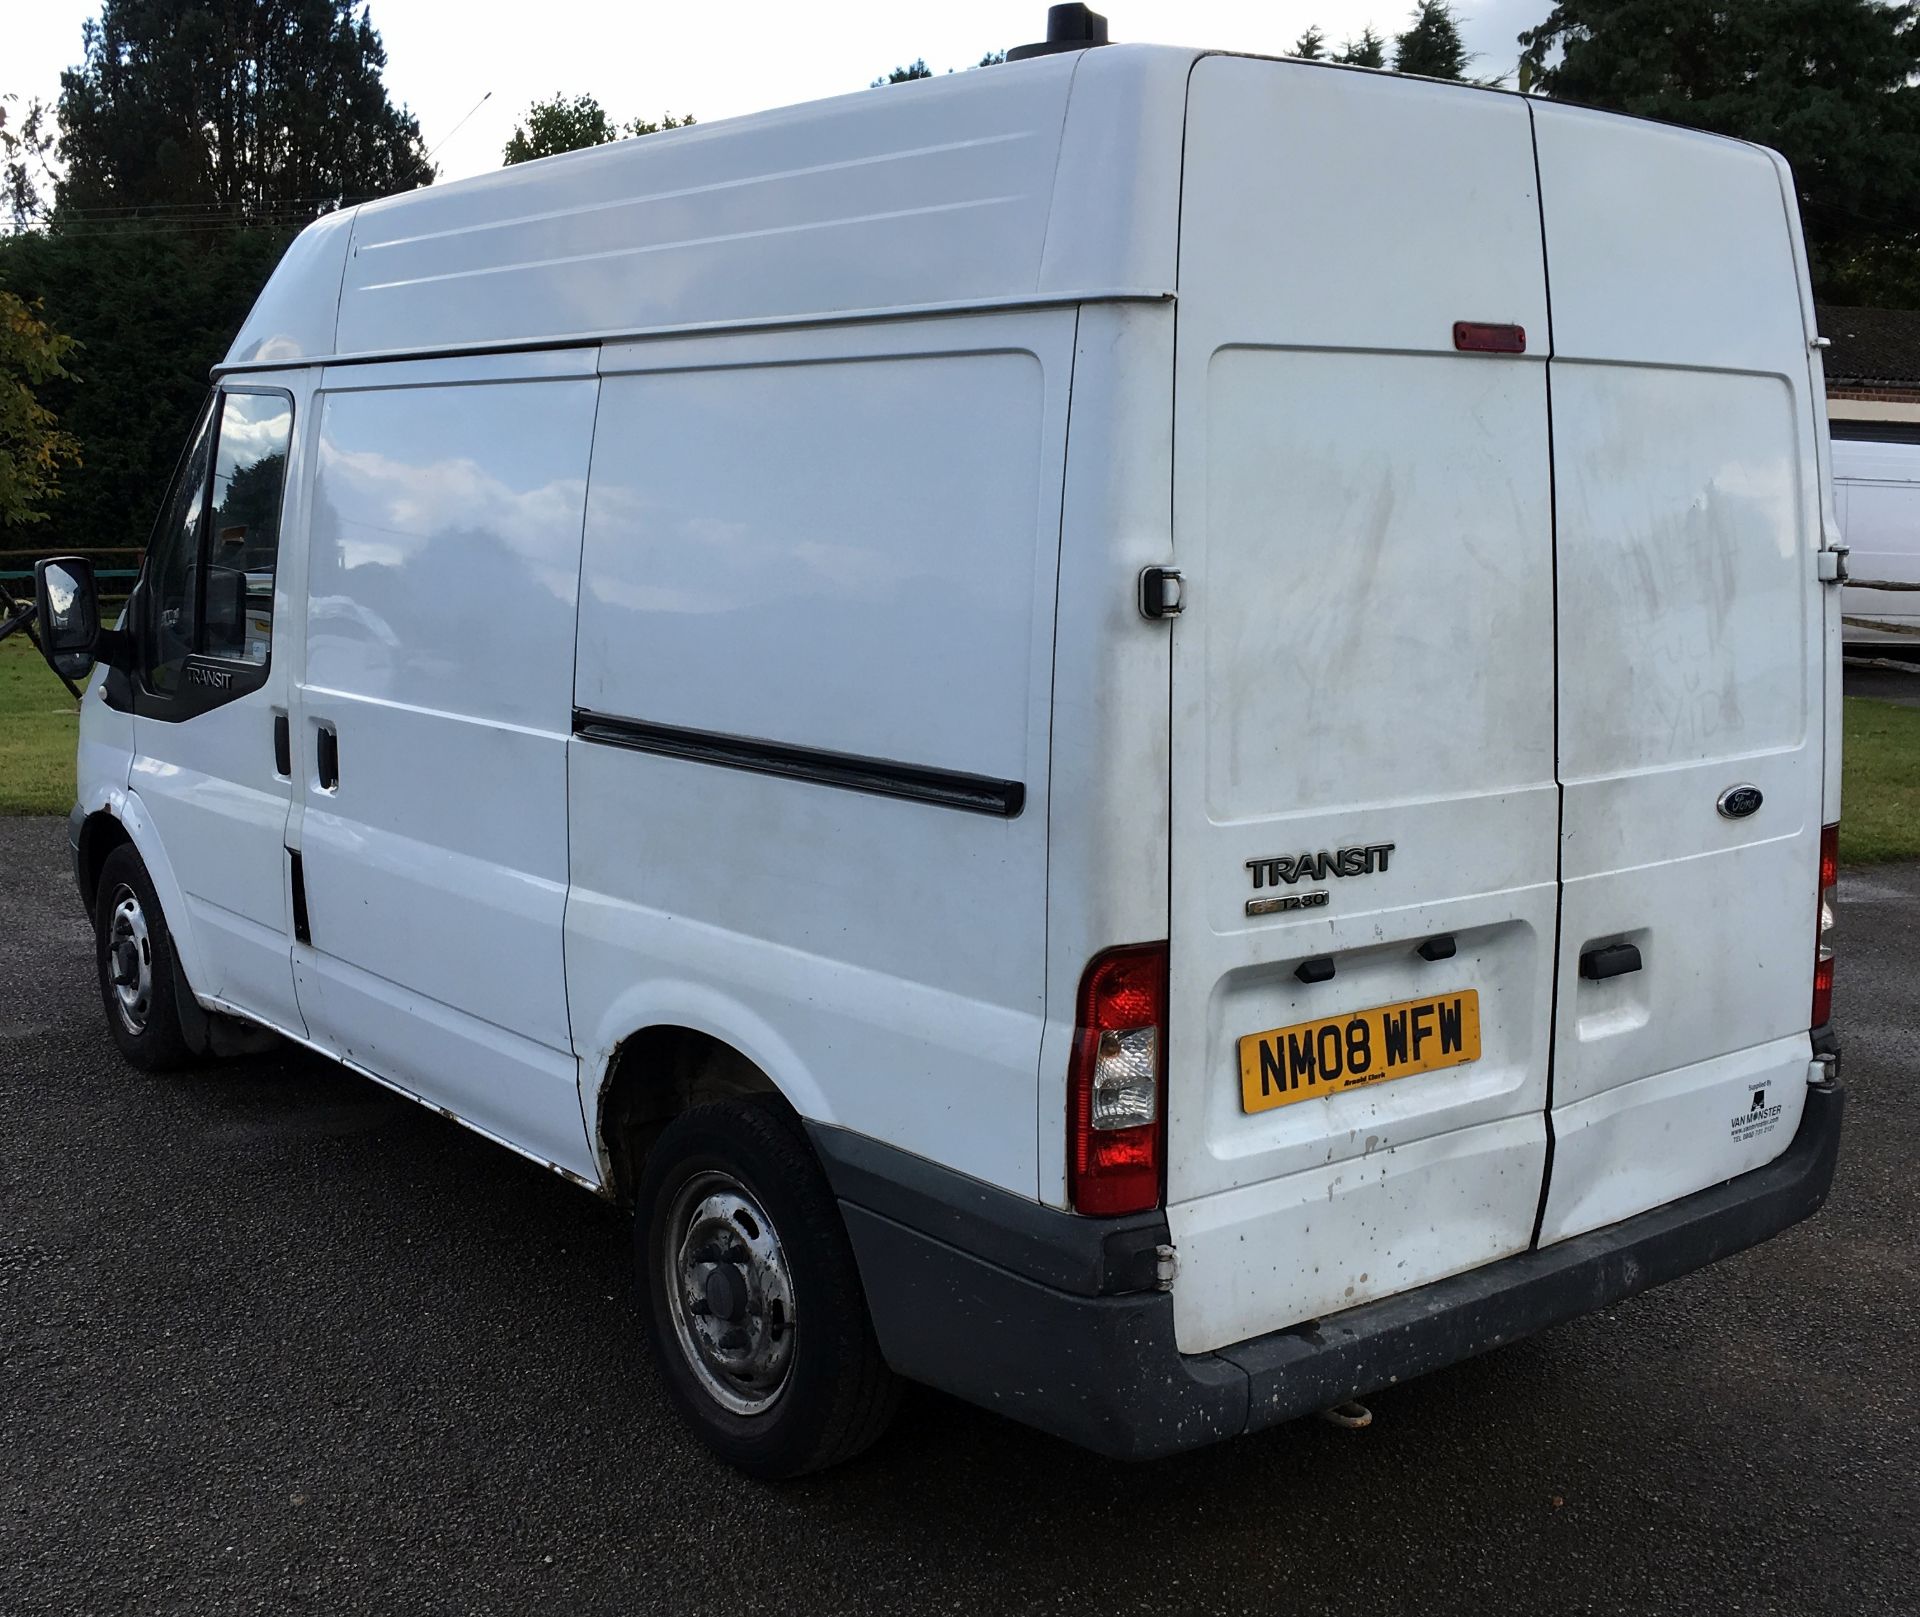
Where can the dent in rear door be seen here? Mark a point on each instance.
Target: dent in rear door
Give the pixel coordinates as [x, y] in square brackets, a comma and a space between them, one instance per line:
[1367, 659]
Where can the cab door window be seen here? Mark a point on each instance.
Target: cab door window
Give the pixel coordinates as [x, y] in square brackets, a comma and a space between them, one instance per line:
[243, 533]
[172, 594]
[208, 614]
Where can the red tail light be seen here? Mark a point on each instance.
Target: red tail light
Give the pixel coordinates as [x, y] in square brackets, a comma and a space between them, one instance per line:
[1823, 949]
[1115, 1128]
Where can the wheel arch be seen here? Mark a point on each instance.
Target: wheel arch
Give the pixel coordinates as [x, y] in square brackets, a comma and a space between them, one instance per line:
[131, 824]
[654, 1075]
[100, 833]
[635, 1055]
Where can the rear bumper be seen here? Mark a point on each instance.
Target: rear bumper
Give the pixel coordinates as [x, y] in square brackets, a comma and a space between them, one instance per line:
[1030, 1324]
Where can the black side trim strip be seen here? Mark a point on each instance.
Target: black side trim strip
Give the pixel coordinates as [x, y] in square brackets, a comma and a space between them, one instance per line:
[946, 787]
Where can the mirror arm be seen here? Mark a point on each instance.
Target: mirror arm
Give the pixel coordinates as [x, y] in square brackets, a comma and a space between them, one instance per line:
[24, 621]
[114, 647]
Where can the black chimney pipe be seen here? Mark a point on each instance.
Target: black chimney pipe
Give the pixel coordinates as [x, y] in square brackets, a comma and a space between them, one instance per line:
[1069, 28]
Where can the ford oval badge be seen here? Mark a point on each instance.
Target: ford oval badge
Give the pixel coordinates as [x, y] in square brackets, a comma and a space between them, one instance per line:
[1737, 802]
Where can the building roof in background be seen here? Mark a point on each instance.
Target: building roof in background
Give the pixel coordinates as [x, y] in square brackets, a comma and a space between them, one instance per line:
[1871, 347]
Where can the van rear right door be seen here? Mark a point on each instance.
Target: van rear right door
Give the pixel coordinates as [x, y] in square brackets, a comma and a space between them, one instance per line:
[1690, 648]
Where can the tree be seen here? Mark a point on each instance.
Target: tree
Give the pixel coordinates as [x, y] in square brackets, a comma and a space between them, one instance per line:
[154, 305]
[1829, 83]
[32, 446]
[641, 126]
[26, 175]
[1310, 46]
[256, 108]
[1369, 50]
[559, 124]
[916, 69]
[1431, 45]
[198, 137]
[572, 124]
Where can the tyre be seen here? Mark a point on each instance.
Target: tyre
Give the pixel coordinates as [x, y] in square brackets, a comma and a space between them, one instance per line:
[754, 1307]
[134, 954]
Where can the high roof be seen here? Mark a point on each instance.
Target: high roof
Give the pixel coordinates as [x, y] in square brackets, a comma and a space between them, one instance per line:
[1051, 179]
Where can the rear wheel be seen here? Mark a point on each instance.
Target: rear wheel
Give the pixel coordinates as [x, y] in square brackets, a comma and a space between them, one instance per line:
[755, 1310]
[134, 954]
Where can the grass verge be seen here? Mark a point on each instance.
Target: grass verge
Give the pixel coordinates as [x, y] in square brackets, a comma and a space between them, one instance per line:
[1880, 783]
[39, 724]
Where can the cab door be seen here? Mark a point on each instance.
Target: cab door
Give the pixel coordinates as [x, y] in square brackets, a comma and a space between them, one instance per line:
[209, 766]
[1364, 808]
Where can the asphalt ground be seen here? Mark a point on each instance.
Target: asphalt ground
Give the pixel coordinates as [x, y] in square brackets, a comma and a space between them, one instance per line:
[275, 1340]
[1896, 679]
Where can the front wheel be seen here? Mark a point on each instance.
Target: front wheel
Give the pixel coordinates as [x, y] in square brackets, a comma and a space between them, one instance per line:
[133, 952]
[755, 1311]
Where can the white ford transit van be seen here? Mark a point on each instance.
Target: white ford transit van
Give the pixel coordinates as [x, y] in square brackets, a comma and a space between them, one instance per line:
[1876, 495]
[1145, 734]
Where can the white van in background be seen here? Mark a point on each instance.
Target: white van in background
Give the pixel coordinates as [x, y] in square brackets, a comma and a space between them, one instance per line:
[1876, 496]
[1144, 734]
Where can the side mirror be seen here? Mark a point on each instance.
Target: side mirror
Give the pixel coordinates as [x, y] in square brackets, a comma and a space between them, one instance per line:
[67, 613]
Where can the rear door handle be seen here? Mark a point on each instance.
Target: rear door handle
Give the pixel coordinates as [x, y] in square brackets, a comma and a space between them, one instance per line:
[1609, 960]
[326, 757]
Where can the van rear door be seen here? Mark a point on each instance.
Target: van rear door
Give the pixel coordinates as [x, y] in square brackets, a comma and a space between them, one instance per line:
[1690, 661]
[1364, 808]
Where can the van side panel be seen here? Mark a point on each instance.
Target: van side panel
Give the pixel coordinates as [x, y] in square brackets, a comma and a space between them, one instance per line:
[1691, 661]
[830, 555]
[444, 559]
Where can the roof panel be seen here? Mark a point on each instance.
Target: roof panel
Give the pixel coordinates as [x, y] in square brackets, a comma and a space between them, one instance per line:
[941, 192]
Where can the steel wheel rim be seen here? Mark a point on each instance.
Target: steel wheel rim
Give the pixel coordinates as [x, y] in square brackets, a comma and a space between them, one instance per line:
[729, 1292]
[130, 960]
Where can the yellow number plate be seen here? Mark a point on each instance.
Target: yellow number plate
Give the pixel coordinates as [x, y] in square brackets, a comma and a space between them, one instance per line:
[1363, 1047]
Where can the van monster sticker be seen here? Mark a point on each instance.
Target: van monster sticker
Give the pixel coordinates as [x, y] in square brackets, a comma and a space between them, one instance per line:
[1758, 1118]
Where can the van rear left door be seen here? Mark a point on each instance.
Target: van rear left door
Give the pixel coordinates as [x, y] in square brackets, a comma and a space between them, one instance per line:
[1362, 694]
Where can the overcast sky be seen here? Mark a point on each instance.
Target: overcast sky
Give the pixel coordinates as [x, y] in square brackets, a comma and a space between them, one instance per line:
[717, 61]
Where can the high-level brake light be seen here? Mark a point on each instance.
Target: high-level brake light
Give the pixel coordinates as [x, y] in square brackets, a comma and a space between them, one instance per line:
[1482, 337]
[1115, 1128]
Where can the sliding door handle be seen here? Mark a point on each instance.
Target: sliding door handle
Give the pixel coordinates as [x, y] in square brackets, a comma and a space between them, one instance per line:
[326, 757]
[282, 746]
